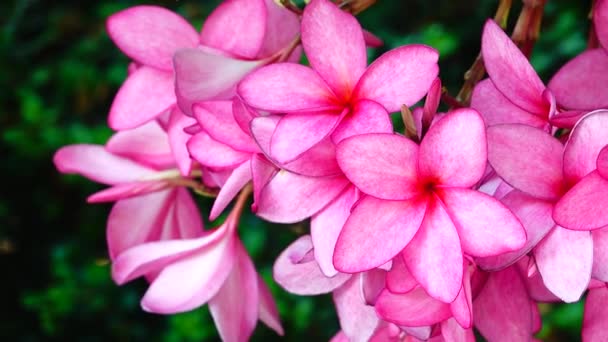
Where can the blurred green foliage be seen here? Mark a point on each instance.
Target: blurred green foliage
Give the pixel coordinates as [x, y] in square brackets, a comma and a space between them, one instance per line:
[59, 74]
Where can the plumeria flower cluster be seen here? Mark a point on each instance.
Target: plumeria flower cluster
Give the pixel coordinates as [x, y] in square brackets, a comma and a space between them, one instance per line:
[466, 222]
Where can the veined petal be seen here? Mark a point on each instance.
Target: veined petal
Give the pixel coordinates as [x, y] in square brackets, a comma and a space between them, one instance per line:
[328, 36]
[399, 279]
[413, 309]
[262, 171]
[178, 139]
[600, 254]
[596, 312]
[366, 117]
[382, 165]
[243, 114]
[318, 161]
[146, 144]
[217, 119]
[585, 206]
[376, 231]
[282, 27]
[586, 141]
[151, 34]
[357, 319]
[214, 154]
[239, 177]
[400, 76]
[462, 306]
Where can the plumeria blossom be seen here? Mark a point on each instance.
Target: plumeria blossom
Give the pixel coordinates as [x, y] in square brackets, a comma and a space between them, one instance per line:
[325, 100]
[420, 204]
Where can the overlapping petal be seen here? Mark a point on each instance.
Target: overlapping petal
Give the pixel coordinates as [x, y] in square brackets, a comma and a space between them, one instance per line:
[585, 206]
[413, 309]
[586, 141]
[596, 314]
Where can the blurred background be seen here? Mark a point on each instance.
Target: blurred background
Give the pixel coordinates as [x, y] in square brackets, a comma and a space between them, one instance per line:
[59, 72]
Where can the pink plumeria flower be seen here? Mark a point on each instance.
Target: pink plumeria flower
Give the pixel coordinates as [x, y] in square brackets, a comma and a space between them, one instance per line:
[325, 100]
[138, 165]
[420, 204]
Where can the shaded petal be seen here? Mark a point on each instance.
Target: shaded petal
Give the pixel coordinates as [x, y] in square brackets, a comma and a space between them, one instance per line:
[357, 319]
[600, 254]
[452, 331]
[262, 171]
[318, 161]
[239, 177]
[269, 314]
[602, 162]
[366, 117]
[382, 165]
[413, 309]
[528, 159]
[596, 313]
[372, 283]
[454, 150]
[214, 154]
[151, 34]
[128, 190]
[586, 141]
[585, 206]
[243, 114]
[328, 35]
[178, 138]
[564, 259]
[282, 27]
[217, 119]
[600, 19]
[462, 306]
[399, 279]
[146, 144]
[567, 119]
[376, 231]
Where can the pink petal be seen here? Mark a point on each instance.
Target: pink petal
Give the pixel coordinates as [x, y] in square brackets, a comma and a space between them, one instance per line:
[376, 231]
[151, 34]
[217, 119]
[382, 165]
[579, 83]
[214, 154]
[146, 94]
[371, 40]
[434, 256]
[497, 109]
[485, 226]
[146, 144]
[400, 76]
[178, 138]
[602, 162]
[452, 331]
[328, 35]
[453, 152]
[372, 283]
[294, 88]
[235, 306]
[239, 177]
[282, 27]
[290, 198]
[325, 227]
[318, 161]
[128, 190]
[94, 162]
[268, 313]
[596, 313]
[220, 75]
[366, 117]
[586, 141]
[585, 206]
[527, 158]
[511, 72]
[243, 114]
[431, 103]
[600, 254]
[567, 119]
[297, 272]
[413, 309]
[399, 279]
[564, 259]
[600, 19]
[262, 171]
[236, 26]
[357, 319]
[462, 306]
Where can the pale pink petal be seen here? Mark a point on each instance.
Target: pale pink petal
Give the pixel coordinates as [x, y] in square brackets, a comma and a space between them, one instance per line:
[382, 165]
[243, 114]
[565, 259]
[497, 109]
[96, 163]
[178, 139]
[286, 87]
[567, 119]
[366, 117]
[453, 332]
[585, 206]
[400, 76]
[146, 144]
[399, 279]
[239, 177]
[595, 318]
[151, 34]
[146, 94]
[217, 119]
[600, 254]
[420, 333]
[376, 231]
[357, 319]
[282, 27]
[289, 198]
[236, 26]
[325, 227]
[511, 72]
[485, 226]
[328, 35]
[128, 190]
[262, 129]
[214, 154]
[372, 283]
[339, 337]
[586, 141]
[268, 313]
[220, 74]
[235, 306]
[187, 222]
[297, 271]
[262, 171]
[413, 309]
[434, 256]
[454, 151]
[602, 162]
[527, 158]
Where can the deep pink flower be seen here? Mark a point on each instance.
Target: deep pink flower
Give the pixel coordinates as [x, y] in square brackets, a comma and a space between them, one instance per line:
[595, 318]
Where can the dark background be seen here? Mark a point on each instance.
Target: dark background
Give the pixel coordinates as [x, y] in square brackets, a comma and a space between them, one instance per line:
[59, 72]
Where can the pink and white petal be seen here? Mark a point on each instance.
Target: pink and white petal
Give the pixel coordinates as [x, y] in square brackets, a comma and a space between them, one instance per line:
[146, 144]
[220, 74]
[328, 35]
[567, 119]
[243, 114]
[586, 141]
[187, 216]
[268, 312]
[528, 159]
[326, 225]
[600, 254]
[452, 331]
[128, 190]
[239, 177]
[382, 165]
[294, 88]
[262, 129]
[497, 109]
[564, 259]
[413, 309]
[357, 319]
[289, 198]
[151, 34]
[339, 337]
[217, 119]
[178, 139]
[454, 151]
[595, 318]
[511, 72]
[214, 154]
[366, 117]
[237, 27]
[579, 83]
[298, 133]
[434, 256]
[485, 226]
[400, 76]
[372, 283]
[399, 279]
[282, 27]
[318, 161]
[297, 271]
[585, 206]
[96, 163]
[235, 307]
[420, 333]
[602, 162]
[376, 231]
[462, 306]
[146, 94]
